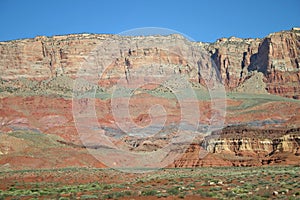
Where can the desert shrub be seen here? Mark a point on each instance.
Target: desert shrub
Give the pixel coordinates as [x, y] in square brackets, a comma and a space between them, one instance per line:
[182, 195]
[215, 189]
[140, 181]
[107, 187]
[45, 192]
[3, 196]
[256, 198]
[10, 89]
[127, 193]
[293, 198]
[267, 194]
[244, 196]
[191, 185]
[161, 195]
[116, 195]
[229, 194]
[295, 175]
[89, 196]
[149, 192]
[173, 191]
[35, 193]
[63, 198]
[204, 193]
[238, 190]
[108, 196]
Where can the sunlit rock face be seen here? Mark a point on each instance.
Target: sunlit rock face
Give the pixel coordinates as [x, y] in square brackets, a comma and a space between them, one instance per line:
[276, 57]
[242, 146]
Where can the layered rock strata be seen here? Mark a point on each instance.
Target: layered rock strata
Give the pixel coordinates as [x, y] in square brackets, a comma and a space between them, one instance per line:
[276, 57]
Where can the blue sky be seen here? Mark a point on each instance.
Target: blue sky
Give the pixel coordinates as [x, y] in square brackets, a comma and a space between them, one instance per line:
[202, 20]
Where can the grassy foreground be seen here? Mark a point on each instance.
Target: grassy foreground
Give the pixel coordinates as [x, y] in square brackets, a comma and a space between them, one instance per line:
[280, 182]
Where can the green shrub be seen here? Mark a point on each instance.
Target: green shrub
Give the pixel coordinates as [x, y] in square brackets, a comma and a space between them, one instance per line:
[204, 193]
[149, 192]
[257, 198]
[267, 195]
[215, 189]
[108, 196]
[160, 195]
[173, 191]
[89, 197]
[107, 187]
[118, 194]
[229, 194]
[127, 193]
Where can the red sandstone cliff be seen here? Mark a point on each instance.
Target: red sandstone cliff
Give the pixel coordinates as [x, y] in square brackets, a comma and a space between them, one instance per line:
[276, 57]
[233, 56]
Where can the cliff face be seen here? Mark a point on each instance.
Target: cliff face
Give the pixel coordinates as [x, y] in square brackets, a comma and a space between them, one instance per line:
[276, 57]
[233, 56]
[45, 57]
[242, 146]
[254, 145]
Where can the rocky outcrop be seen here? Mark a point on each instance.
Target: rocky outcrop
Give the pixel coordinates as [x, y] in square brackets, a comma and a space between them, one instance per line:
[244, 146]
[276, 57]
[232, 57]
[191, 158]
[278, 52]
[253, 83]
[45, 57]
[254, 141]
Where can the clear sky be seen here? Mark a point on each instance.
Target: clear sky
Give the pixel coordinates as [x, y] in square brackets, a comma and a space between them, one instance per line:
[202, 20]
